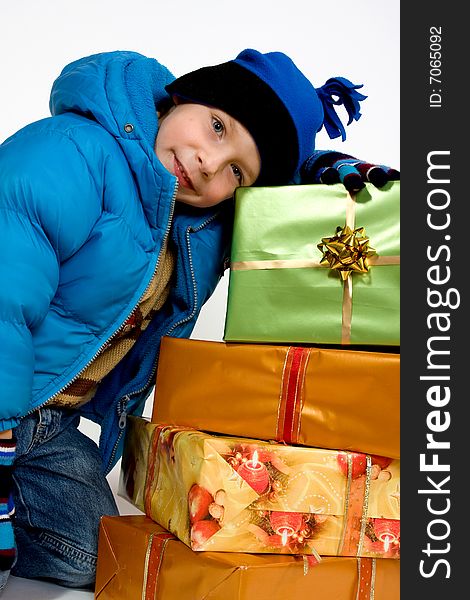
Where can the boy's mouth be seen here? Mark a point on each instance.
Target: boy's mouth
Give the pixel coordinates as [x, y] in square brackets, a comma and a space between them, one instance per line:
[182, 176]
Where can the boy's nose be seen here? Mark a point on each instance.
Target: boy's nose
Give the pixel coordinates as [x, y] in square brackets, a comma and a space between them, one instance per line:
[209, 163]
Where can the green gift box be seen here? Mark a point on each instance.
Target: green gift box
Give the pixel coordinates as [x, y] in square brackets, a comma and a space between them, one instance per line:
[315, 264]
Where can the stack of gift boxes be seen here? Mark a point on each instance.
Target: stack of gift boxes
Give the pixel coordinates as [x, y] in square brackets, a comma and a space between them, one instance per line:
[270, 465]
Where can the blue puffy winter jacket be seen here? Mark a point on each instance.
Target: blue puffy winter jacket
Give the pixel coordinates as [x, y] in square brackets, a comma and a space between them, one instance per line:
[84, 207]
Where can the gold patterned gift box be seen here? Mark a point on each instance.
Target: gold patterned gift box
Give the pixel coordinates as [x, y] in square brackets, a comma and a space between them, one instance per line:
[139, 559]
[239, 495]
[315, 264]
[329, 398]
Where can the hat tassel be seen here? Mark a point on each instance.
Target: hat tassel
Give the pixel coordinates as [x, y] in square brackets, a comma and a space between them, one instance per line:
[336, 91]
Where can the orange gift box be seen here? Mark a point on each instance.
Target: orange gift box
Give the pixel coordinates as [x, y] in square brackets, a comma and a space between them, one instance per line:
[139, 559]
[329, 398]
[238, 495]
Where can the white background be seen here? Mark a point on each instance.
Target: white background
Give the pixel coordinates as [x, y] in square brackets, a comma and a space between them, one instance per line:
[358, 40]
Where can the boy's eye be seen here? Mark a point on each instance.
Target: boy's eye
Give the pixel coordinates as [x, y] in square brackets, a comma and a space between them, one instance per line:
[217, 125]
[236, 171]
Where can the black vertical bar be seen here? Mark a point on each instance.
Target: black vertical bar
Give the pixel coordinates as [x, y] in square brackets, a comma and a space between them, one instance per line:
[435, 212]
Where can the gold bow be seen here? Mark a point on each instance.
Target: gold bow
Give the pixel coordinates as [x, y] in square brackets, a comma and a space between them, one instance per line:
[346, 251]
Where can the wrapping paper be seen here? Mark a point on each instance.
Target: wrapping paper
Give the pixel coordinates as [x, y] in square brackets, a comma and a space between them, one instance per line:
[297, 299]
[138, 559]
[233, 495]
[344, 399]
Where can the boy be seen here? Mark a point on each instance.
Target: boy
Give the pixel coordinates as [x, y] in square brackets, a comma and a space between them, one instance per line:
[99, 262]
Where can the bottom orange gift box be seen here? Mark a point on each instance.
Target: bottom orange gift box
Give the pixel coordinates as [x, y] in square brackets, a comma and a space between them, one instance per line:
[239, 495]
[139, 560]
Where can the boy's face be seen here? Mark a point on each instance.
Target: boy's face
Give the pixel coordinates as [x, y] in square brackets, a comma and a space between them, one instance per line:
[210, 153]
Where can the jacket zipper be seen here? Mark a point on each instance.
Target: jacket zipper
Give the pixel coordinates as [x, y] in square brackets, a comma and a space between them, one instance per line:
[122, 412]
[123, 402]
[100, 349]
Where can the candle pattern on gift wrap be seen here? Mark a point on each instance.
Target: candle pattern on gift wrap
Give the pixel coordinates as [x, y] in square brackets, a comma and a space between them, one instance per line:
[256, 466]
[358, 470]
[383, 537]
[255, 473]
[287, 532]
[231, 515]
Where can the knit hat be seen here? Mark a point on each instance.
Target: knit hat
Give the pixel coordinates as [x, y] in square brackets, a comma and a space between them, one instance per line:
[278, 105]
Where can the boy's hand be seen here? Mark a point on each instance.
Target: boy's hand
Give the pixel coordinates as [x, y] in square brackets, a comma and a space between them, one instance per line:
[7, 509]
[325, 166]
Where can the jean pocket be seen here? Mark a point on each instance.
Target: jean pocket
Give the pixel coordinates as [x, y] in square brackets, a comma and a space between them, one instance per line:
[44, 424]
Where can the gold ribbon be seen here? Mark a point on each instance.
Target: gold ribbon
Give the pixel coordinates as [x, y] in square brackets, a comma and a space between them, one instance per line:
[366, 574]
[153, 561]
[360, 263]
[303, 263]
[356, 510]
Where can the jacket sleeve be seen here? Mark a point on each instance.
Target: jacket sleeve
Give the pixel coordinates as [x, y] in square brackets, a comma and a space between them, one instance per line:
[48, 205]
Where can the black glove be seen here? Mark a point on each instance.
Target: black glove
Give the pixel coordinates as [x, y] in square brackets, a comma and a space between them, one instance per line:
[327, 166]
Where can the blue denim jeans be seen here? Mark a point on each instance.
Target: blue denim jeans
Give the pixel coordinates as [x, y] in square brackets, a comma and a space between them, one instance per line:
[60, 495]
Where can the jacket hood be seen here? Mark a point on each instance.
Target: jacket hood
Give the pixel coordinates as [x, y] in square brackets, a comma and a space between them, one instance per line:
[121, 91]
[115, 89]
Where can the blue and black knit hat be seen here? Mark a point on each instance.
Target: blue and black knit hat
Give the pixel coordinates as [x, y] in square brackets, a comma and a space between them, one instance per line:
[278, 105]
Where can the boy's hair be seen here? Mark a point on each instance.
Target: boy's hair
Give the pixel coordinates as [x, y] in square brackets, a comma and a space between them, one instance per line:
[278, 105]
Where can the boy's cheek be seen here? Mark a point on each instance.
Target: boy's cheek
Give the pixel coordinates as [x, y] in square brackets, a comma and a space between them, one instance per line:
[200, 201]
